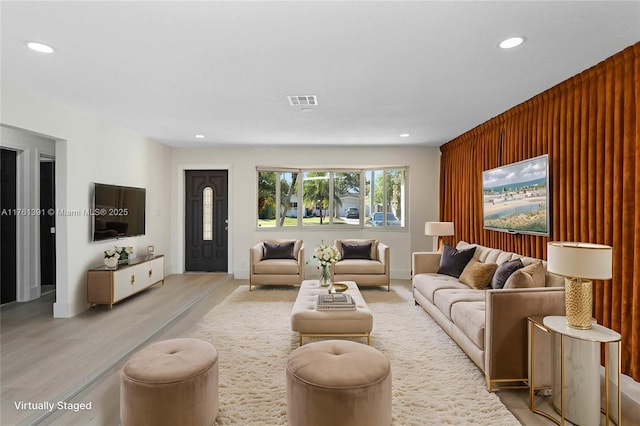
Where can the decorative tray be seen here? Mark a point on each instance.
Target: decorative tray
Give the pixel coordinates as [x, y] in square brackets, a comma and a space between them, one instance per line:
[338, 287]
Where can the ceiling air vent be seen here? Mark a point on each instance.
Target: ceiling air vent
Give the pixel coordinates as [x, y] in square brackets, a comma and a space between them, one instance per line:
[303, 100]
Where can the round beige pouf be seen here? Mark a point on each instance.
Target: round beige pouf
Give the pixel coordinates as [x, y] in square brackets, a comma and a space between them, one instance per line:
[172, 382]
[338, 382]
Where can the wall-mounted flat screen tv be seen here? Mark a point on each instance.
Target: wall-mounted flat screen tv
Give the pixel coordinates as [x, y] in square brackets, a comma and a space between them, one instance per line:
[515, 197]
[117, 212]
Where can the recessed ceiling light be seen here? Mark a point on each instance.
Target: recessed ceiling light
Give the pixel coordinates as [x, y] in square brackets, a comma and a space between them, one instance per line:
[405, 135]
[40, 47]
[511, 42]
[306, 109]
[199, 136]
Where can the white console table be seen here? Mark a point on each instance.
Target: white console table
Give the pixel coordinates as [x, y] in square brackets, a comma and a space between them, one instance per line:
[110, 285]
[576, 372]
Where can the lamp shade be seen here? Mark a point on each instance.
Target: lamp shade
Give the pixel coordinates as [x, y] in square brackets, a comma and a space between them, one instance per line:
[580, 260]
[438, 228]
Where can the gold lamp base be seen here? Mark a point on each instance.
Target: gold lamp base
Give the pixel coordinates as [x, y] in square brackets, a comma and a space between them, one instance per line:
[578, 300]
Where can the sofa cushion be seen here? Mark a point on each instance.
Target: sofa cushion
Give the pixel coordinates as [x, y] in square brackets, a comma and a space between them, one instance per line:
[491, 255]
[358, 266]
[356, 251]
[529, 276]
[470, 317]
[453, 261]
[445, 299]
[297, 245]
[477, 274]
[428, 283]
[278, 250]
[374, 246]
[276, 266]
[504, 271]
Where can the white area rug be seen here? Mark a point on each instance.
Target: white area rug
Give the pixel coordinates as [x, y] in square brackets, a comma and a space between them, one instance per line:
[433, 381]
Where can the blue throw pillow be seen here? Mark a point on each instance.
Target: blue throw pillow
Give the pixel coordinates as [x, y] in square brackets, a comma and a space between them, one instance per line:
[453, 260]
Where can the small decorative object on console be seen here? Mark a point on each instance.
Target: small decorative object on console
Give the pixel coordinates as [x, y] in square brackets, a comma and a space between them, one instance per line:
[124, 253]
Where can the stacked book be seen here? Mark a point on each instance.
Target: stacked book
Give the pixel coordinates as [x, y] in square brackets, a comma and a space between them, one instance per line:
[335, 302]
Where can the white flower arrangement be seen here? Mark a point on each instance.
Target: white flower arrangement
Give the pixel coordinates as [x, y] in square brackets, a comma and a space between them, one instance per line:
[128, 250]
[326, 254]
[111, 253]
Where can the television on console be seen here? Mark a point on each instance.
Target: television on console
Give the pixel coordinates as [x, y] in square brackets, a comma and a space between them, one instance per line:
[515, 197]
[117, 212]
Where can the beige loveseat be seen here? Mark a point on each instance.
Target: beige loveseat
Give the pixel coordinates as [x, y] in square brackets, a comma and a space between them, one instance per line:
[371, 269]
[283, 267]
[490, 325]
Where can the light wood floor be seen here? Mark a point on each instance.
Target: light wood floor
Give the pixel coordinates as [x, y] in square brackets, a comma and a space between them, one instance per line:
[78, 359]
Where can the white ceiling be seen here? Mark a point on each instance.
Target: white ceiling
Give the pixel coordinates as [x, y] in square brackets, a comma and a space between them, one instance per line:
[170, 70]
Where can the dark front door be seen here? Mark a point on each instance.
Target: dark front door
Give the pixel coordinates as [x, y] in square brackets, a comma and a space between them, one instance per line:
[8, 267]
[47, 225]
[206, 220]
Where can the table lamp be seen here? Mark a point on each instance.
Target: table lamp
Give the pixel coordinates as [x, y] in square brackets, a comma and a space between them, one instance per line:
[437, 230]
[579, 263]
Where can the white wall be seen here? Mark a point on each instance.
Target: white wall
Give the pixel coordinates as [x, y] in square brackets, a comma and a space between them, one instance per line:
[422, 189]
[89, 149]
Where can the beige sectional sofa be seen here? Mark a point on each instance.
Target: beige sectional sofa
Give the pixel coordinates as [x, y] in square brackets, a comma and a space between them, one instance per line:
[490, 325]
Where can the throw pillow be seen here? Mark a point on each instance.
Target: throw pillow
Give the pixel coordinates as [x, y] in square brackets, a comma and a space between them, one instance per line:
[504, 271]
[453, 261]
[356, 251]
[373, 245]
[282, 250]
[477, 274]
[527, 277]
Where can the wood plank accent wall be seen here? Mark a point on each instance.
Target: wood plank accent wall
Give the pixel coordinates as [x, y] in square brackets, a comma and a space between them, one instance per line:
[589, 126]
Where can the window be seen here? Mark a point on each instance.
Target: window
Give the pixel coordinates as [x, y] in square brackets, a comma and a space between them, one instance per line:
[267, 198]
[346, 196]
[288, 189]
[331, 198]
[385, 197]
[316, 198]
[207, 214]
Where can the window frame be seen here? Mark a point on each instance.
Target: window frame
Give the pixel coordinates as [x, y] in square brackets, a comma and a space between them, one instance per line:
[300, 204]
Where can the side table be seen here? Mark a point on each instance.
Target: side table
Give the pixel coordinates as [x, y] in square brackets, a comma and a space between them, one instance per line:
[576, 372]
[534, 328]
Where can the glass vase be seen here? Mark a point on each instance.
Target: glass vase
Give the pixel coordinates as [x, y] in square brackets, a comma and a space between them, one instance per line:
[111, 262]
[325, 275]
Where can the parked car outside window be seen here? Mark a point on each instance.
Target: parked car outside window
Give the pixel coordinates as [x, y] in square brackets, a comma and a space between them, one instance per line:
[376, 220]
[352, 213]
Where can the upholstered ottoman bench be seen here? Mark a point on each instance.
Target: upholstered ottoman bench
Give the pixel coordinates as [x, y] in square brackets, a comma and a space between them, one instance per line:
[308, 321]
[172, 382]
[338, 382]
